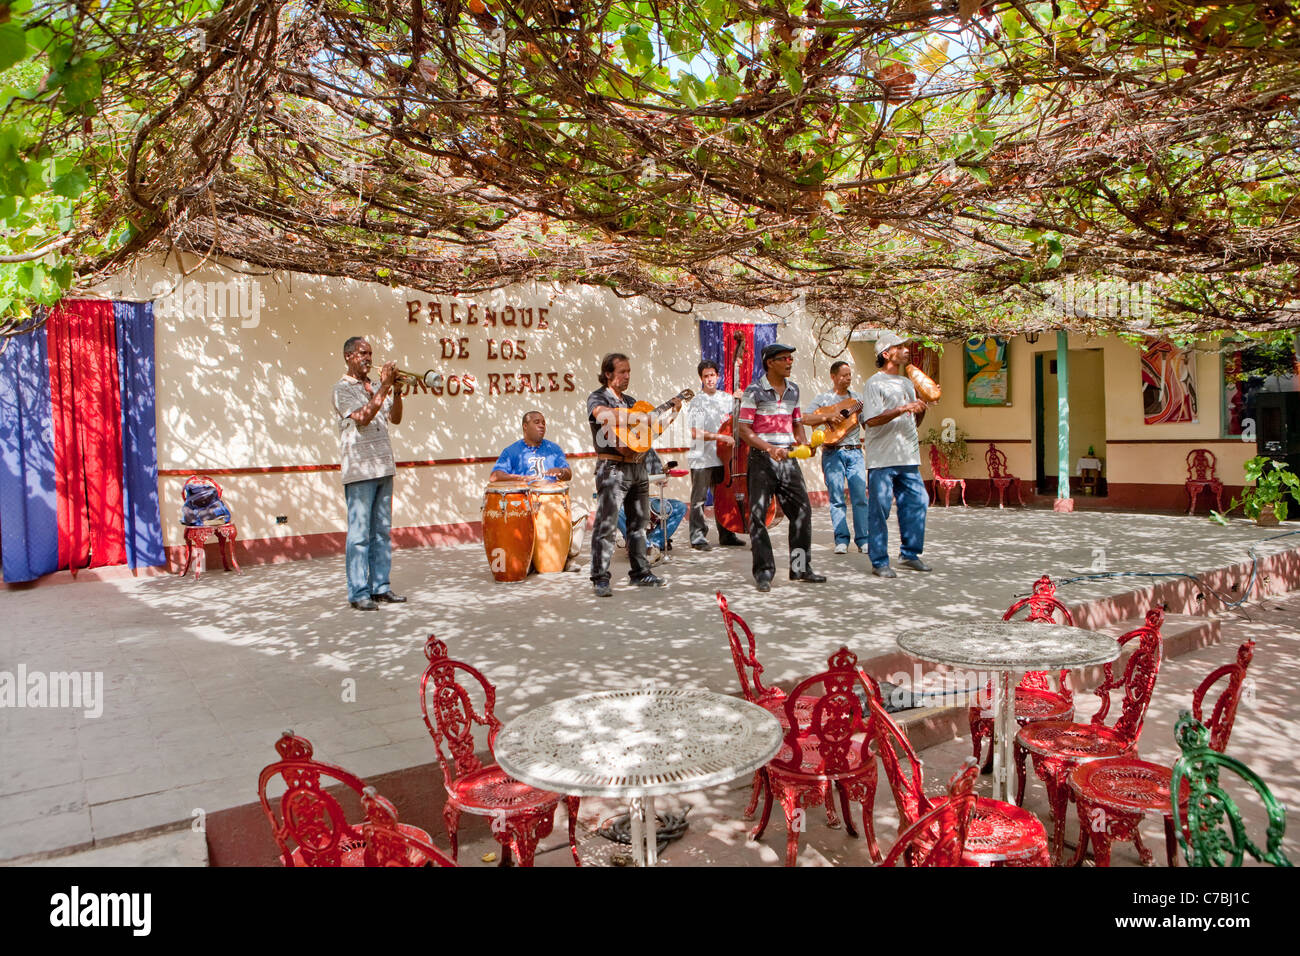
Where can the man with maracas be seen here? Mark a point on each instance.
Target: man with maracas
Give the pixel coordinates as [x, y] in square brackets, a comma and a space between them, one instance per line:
[770, 424]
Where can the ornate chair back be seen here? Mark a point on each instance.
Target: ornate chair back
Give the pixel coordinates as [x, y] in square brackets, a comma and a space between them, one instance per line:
[449, 710]
[388, 843]
[309, 816]
[1224, 713]
[834, 733]
[1214, 833]
[941, 831]
[1138, 679]
[939, 463]
[902, 766]
[744, 654]
[1201, 465]
[1045, 608]
[996, 462]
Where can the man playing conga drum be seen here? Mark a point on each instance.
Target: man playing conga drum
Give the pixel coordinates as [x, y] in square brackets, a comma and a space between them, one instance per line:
[533, 458]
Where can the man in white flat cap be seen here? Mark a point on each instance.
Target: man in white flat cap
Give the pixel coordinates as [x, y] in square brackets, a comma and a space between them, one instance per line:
[892, 412]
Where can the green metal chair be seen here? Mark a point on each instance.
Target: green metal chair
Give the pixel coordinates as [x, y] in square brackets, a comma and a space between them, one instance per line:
[1214, 832]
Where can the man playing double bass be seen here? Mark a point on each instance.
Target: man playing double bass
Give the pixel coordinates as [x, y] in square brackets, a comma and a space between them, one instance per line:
[770, 424]
[620, 476]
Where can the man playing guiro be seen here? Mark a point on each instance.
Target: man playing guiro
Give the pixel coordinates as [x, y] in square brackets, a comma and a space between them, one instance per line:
[892, 412]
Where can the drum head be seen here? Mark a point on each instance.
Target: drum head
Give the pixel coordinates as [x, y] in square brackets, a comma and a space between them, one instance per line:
[547, 486]
[506, 487]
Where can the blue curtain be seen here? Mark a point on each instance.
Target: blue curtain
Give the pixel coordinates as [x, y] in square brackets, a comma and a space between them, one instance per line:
[29, 523]
[135, 373]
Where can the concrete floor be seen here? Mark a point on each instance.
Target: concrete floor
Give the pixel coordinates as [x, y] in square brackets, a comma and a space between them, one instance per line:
[200, 677]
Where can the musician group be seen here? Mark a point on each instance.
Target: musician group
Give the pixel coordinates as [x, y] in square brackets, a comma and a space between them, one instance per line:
[745, 451]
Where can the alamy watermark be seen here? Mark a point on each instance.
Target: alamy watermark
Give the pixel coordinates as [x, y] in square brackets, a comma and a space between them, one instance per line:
[239, 297]
[1109, 298]
[55, 689]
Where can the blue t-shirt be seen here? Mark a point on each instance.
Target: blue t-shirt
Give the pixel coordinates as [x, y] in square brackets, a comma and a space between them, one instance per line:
[522, 458]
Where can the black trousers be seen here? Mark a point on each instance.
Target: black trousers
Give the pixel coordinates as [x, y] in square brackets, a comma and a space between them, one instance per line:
[784, 480]
[702, 479]
[620, 485]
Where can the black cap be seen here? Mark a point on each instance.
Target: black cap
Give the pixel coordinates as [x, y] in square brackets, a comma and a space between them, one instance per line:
[775, 349]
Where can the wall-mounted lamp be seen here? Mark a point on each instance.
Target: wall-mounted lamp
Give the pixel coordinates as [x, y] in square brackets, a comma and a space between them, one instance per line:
[1031, 337]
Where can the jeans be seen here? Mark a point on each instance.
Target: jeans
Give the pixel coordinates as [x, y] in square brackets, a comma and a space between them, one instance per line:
[676, 512]
[369, 550]
[620, 485]
[784, 480]
[903, 482]
[841, 466]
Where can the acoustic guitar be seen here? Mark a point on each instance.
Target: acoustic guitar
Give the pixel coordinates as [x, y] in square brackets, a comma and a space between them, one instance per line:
[847, 416]
[636, 428]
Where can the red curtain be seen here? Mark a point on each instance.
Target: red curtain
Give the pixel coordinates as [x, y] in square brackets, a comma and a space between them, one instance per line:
[87, 404]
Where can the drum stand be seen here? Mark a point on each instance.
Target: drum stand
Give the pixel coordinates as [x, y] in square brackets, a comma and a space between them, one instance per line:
[663, 556]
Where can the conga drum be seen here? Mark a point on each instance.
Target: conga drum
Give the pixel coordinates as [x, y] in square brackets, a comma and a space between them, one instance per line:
[552, 524]
[508, 529]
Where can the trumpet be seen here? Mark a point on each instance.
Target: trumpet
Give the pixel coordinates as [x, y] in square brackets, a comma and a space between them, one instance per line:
[411, 379]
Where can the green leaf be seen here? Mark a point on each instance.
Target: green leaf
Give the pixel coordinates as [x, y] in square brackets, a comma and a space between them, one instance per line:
[728, 87]
[13, 44]
[81, 82]
[793, 79]
[72, 183]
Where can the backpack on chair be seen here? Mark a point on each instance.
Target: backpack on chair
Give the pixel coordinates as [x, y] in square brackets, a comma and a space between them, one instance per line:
[203, 506]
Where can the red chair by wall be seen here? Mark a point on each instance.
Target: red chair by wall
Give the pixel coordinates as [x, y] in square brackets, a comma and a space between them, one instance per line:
[521, 815]
[999, 477]
[311, 828]
[1058, 746]
[1035, 697]
[744, 654]
[1001, 834]
[943, 479]
[1201, 465]
[1125, 789]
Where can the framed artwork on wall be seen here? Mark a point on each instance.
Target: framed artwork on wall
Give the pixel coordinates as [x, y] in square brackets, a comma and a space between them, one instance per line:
[984, 358]
[1168, 384]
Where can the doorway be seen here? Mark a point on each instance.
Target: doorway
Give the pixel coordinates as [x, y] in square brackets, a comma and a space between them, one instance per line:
[1087, 418]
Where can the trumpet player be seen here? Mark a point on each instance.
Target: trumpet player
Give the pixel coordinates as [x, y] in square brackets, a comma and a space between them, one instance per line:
[364, 411]
[892, 412]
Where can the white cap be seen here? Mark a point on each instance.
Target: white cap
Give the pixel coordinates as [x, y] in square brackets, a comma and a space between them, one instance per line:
[888, 340]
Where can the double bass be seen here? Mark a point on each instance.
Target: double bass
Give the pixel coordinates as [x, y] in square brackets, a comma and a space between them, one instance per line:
[731, 496]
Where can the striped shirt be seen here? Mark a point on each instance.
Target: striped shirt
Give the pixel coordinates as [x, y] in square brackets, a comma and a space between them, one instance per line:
[365, 451]
[772, 418]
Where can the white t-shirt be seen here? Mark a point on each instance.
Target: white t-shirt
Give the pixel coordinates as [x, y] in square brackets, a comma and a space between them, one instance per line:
[707, 413]
[893, 443]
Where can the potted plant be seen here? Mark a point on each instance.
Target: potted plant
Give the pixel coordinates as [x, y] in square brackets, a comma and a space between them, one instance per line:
[953, 445]
[1267, 501]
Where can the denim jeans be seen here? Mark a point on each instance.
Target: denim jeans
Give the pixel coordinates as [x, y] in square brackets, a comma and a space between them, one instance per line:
[784, 480]
[619, 485]
[676, 512]
[369, 549]
[902, 482]
[842, 466]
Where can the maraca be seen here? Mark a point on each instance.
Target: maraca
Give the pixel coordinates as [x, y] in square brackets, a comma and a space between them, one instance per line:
[818, 437]
[801, 452]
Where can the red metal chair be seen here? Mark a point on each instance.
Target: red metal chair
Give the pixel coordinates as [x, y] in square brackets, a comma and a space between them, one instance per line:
[943, 479]
[826, 746]
[1000, 477]
[1201, 465]
[1001, 834]
[197, 537]
[938, 838]
[521, 815]
[1035, 698]
[312, 829]
[744, 654]
[1058, 746]
[1114, 794]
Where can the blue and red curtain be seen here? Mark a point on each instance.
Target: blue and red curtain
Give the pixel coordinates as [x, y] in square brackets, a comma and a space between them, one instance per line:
[78, 442]
[721, 341]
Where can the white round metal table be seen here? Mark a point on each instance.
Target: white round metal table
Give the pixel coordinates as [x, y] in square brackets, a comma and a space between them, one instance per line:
[638, 744]
[1009, 649]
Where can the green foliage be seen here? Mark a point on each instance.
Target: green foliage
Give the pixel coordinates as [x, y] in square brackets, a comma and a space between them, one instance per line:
[954, 448]
[1275, 483]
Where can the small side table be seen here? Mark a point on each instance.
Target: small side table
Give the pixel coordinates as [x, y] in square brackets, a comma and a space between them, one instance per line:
[1089, 471]
[197, 537]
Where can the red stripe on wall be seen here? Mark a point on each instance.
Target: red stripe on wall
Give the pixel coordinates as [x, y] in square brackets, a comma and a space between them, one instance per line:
[295, 469]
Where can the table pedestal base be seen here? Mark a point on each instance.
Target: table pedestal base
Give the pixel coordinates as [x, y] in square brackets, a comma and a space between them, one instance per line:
[645, 839]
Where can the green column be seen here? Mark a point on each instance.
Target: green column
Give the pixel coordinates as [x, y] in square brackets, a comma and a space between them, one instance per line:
[1063, 414]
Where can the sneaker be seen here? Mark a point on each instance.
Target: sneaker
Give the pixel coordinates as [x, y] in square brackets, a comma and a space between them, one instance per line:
[702, 546]
[884, 571]
[650, 581]
[862, 549]
[573, 565]
[604, 590]
[916, 564]
[841, 549]
[763, 582]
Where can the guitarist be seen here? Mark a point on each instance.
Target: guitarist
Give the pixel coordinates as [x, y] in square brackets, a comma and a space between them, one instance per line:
[621, 478]
[770, 424]
[842, 461]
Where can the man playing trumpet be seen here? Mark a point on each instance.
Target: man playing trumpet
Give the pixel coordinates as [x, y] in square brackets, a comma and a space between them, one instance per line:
[892, 411]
